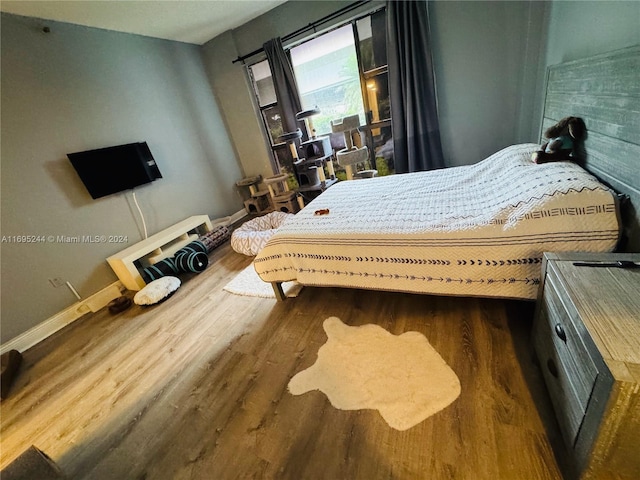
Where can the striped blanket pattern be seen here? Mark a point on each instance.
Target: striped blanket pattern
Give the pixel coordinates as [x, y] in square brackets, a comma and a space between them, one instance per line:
[476, 230]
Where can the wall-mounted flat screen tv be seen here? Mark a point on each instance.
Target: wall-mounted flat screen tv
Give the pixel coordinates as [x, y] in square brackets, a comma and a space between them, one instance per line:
[114, 169]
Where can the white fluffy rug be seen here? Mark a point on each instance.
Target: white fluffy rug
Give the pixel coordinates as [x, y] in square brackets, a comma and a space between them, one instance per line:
[249, 284]
[401, 376]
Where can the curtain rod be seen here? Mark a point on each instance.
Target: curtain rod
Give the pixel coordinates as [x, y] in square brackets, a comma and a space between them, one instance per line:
[311, 26]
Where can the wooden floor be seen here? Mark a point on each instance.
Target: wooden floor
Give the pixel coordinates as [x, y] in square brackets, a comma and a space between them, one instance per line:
[196, 388]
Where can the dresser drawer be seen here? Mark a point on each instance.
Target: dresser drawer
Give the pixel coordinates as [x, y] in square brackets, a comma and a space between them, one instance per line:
[591, 364]
[567, 367]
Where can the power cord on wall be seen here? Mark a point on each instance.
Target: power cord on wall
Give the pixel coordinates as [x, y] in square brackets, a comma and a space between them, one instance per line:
[144, 224]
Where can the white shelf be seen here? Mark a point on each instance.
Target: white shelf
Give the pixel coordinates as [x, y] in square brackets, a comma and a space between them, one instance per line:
[155, 248]
[168, 250]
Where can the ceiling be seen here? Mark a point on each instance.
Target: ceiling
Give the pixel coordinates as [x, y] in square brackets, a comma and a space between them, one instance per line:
[189, 21]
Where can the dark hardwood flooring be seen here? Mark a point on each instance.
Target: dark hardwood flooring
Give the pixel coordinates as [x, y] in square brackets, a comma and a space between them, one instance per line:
[196, 388]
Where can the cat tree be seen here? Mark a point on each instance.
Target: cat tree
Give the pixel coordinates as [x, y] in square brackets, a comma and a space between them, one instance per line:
[310, 158]
[283, 199]
[255, 200]
[353, 153]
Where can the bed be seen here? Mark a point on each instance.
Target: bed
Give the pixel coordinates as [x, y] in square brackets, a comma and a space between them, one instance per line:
[480, 230]
[471, 230]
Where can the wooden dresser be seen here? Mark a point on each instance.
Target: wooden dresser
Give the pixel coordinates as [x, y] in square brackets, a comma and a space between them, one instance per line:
[586, 336]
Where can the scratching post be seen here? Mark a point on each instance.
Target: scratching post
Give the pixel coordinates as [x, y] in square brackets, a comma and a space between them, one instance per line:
[309, 160]
[305, 116]
[312, 157]
[317, 150]
[255, 200]
[354, 152]
[318, 153]
[283, 199]
[290, 139]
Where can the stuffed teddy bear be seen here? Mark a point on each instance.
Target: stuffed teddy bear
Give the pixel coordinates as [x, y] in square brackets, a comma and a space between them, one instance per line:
[563, 139]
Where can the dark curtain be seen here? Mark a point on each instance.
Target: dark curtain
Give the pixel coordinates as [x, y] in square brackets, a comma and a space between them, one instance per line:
[414, 117]
[285, 85]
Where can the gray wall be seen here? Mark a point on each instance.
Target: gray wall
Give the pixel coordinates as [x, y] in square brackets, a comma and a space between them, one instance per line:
[487, 64]
[582, 29]
[77, 88]
[233, 91]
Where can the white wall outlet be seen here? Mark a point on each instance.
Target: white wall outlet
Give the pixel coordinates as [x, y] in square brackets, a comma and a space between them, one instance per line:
[56, 282]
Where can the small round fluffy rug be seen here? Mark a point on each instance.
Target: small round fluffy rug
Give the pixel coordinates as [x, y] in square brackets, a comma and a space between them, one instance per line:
[249, 284]
[401, 376]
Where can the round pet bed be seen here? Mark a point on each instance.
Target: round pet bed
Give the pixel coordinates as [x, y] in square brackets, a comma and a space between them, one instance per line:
[250, 237]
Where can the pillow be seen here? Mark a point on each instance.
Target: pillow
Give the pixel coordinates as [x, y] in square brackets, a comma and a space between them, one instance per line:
[157, 291]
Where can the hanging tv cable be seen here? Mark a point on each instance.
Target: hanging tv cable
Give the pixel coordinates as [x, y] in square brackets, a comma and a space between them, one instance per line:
[144, 224]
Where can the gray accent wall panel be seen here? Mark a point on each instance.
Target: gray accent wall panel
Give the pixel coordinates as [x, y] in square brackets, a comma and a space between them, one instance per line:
[604, 91]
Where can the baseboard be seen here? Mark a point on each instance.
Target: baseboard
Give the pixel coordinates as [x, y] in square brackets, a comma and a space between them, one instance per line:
[90, 304]
[61, 319]
[237, 216]
[231, 219]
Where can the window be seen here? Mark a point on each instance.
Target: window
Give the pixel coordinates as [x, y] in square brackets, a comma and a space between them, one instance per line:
[281, 159]
[371, 32]
[326, 70]
[263, 83]
[373, 47]
[342, 72]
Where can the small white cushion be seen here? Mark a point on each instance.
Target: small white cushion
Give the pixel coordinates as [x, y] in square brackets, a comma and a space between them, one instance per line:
[157, 291]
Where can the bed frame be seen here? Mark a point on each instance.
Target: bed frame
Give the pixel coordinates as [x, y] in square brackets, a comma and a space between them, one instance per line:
[604, 91]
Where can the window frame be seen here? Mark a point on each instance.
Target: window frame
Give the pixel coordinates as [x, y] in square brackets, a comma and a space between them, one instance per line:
[369, 126]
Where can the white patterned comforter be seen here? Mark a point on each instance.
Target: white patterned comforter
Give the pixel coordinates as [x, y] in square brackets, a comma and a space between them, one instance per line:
[477, 230]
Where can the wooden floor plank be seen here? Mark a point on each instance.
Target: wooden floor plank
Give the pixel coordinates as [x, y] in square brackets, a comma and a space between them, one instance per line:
[196, 387]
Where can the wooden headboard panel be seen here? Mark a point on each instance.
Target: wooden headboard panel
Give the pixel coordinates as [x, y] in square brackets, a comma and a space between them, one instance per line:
[605, 91]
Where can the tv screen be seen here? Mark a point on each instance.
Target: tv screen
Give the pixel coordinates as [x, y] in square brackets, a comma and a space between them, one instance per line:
[114, 169]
